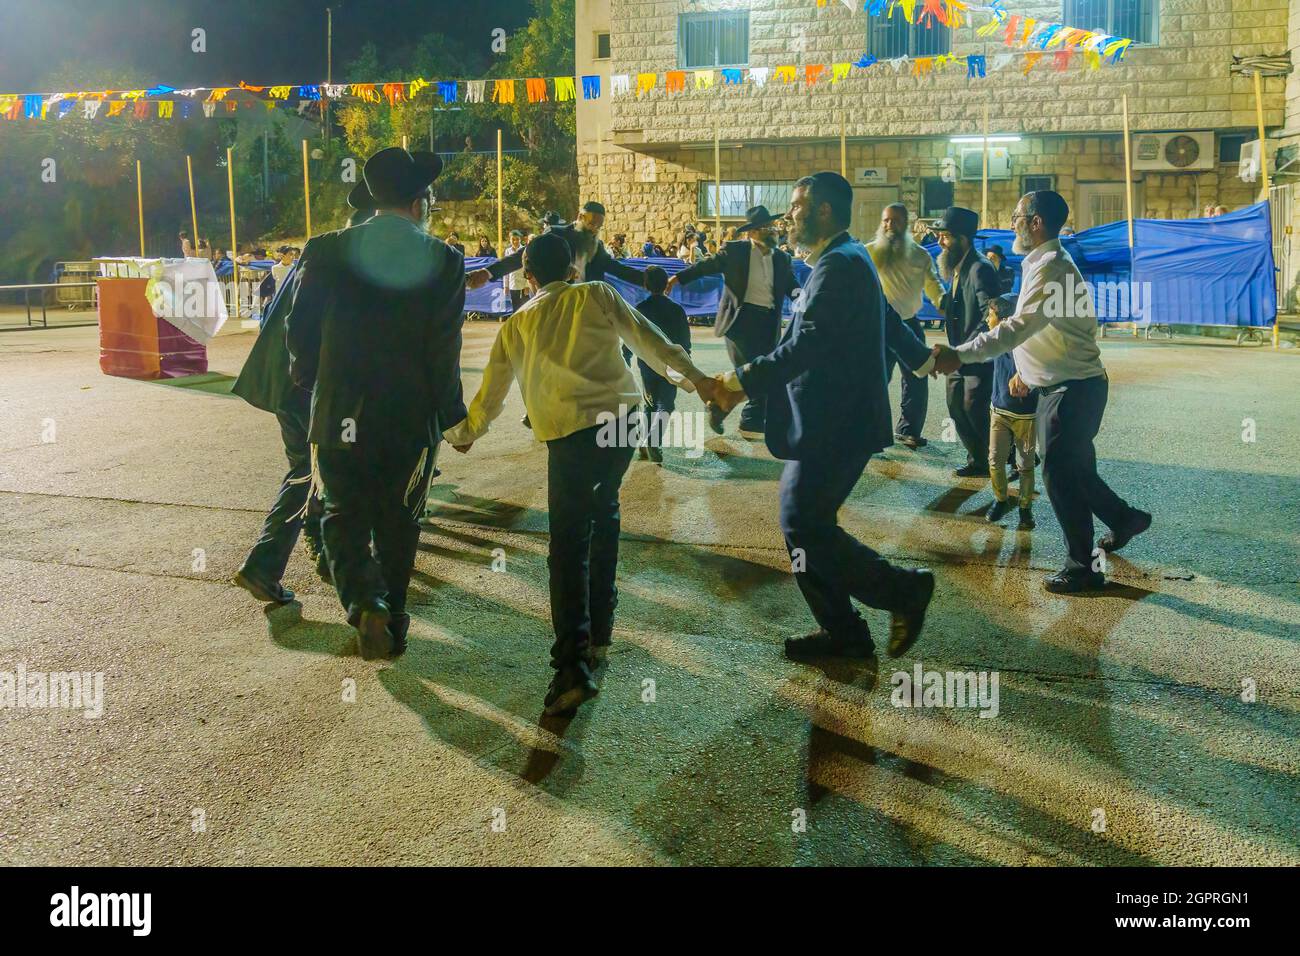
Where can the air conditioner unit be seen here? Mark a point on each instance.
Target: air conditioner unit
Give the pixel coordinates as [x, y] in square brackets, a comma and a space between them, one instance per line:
[1248, 165]
[1174, 152]
[972, 163]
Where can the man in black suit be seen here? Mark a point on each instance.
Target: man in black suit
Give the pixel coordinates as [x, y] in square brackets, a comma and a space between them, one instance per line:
[757, 278]
[375, 329]
[974, 288]
[591, 260]
[827, 414]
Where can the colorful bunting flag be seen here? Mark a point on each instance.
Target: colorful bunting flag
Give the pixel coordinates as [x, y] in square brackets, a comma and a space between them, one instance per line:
[620, 83]
[758, 75]
[675, 81]
[591, 87]
[503, 91]
[812, 72]
[839, 71]
[703, 79]
[447, 90]
[535, 88]
[564, 89]
[645, 82]
[731, 77]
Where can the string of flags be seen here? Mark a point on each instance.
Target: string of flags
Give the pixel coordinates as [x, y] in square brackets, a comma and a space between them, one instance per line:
[1026, 38]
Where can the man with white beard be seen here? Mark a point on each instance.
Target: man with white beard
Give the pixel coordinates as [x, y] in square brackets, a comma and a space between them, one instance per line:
[906, 273]
[1054, 335]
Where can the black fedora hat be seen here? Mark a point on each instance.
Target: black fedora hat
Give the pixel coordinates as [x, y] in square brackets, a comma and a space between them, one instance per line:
[552, 220]
[756, 217]
[360, 198]
[393, 176]
[959, 219]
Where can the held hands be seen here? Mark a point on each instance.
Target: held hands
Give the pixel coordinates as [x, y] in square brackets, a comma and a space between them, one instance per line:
[672, 284]
[708, 389]
[463, 449]
[724, 398]
[1018, 388]
[946, 361]
[477, 279]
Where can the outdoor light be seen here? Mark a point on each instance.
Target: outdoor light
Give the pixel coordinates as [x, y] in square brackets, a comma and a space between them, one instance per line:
[980, 139]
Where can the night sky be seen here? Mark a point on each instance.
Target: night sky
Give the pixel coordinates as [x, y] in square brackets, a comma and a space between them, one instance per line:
[262, 42]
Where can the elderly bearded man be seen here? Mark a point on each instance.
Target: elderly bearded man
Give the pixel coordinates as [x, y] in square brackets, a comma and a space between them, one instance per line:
[1055, 342]
[906, 273]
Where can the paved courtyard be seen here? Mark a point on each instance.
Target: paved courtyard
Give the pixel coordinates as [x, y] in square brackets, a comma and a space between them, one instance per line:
[1154, 724]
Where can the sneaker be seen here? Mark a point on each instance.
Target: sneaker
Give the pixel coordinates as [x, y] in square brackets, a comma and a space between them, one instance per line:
[1114, 540]
[821, 643]
[571, 687]
[998, 511]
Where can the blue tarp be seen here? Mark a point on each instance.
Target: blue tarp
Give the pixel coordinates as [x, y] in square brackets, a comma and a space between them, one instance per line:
[1216, 271]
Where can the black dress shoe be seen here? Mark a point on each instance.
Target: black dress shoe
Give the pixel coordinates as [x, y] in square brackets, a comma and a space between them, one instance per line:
[911, 441]
[1074, 582]
[1027, 519]
[716, 417]
[999, 510]
[905, 622]
[972, 470]
[821, 643]
[1114, 540]
[571, 687]
[525, 422]
[656, 455]
[323, 569]
[398, 626]
[374, 640]
[268, 592]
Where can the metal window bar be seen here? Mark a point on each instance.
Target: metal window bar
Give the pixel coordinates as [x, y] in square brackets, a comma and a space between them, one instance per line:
[890, 37]
[706, 40]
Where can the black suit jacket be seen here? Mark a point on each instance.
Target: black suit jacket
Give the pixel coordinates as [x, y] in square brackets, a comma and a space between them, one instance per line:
[600, 263]
[733, 263]
[978, 287]
[825, 381]
[375, 329]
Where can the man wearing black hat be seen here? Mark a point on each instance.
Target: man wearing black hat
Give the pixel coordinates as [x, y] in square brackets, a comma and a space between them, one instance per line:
[974, 288]
[375, 330]
[264, 383]
[757, 278]
[591, 259]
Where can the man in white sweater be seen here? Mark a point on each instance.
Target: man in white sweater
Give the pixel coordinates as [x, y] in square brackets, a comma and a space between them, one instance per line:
[563, 348]
[1054, 334]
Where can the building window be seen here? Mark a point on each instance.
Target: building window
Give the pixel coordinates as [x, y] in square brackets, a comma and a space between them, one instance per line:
[1230, 148]
[936, 196]
[1034, 184]
[889, 37]
[739, 197]
[1139, 20]
[602, 46]
[707, 40]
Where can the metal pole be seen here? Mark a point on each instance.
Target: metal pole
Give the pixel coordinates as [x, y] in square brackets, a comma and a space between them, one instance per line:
[717, 186]
[194, 214]
[500, 198]
[984, 177]
[1263, 163]
[1128, 192]
[234, 244]
[139, 203]
[844, 155]
[306, 188]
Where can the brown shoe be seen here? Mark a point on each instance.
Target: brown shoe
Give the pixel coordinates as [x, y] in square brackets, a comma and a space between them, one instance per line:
[373, 638]
[905, 622]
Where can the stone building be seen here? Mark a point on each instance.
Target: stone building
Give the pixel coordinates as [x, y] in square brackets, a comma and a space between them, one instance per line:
[651, 157]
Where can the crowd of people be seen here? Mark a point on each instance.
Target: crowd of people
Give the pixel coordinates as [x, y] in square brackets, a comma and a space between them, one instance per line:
[360, 361]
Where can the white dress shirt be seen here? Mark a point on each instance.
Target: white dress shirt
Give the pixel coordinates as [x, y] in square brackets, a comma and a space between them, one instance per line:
[515, 281]
[758, 290]
[563, 347]
[1054, 327]
[906, 278]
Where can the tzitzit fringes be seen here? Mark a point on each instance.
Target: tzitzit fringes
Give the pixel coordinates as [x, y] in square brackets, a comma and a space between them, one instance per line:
[416, 483]
[317, 484]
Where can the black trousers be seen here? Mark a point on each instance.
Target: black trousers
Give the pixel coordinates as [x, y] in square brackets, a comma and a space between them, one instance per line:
[270, 555]
[660, 401]
[517, 298]
[583, 481]
[968, 407]
[754, 332]
[916, 391]
[1069, 417]
[830, 565]
[366, 497]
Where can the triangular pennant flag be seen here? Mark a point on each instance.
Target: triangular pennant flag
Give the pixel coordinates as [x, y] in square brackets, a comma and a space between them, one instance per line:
[703, 79]
[956, 13]
[1043, 35]
[282, 92]
[907, 6]
[231, 106]
[208, 109]
[33, 105]
[66, 107]
[503, 91]
[811, 73]
[89, 109]
[1116, 50]
[1030, 24]
[1001, 60]
[620, 83]
[415, 86]
[1059, 35]
[1093, 59]
[1061, 59]
[759, 76]
[876, 8]
[675, 81]
[897, 63]
[535, 89]
[645, 82]
[366, 92]
[975, 66]
[395, 92]
[447, 90]
[219, 94]
[1031, 61]
[591, 87]
[989, 28]
[565, 89]
[141, 109]
[785, 74]
[731, 77]
[335, 90]
[474, 90]
[309, 92]
[1012, 31]
[921, 65]
[932, 10]
[165, 109]
[865, 61]
[839, 71]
